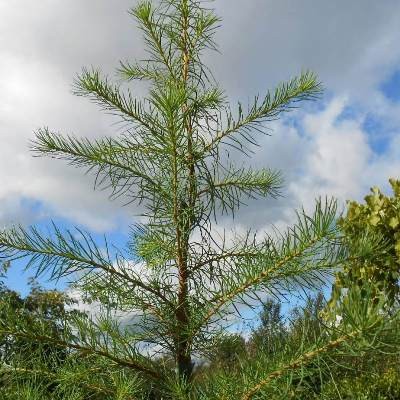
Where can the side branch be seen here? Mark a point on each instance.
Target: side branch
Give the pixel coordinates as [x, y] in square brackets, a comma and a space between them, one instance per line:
[64, 256]
[110, 98]
[221, 300]
[97, 388]
[228, 189]
[304, 87]
[100, 154]
[85, 350]
[310, 246]
[223, 257]
[145, 14]
[299, 362]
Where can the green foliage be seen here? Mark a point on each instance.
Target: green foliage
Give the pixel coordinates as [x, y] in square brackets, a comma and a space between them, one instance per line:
[227, 351]
[377, 385]
[271, 333]
[40, 306]
[306, 323]
[19, 356]
[380, 216]
[178, 283]
[307, 365]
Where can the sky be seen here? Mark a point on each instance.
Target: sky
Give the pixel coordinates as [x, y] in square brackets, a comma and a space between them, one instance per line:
[339, 146]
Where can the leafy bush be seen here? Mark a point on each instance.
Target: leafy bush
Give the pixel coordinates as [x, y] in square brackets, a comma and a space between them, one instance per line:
[380, 216]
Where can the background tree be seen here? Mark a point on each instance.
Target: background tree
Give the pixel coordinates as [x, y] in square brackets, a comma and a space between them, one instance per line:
[19, 357]
[270, 335]
[177, 280]
[228, 351]
[307, 320]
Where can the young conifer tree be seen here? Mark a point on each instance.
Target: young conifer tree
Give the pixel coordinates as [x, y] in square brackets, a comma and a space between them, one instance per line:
[178, 280]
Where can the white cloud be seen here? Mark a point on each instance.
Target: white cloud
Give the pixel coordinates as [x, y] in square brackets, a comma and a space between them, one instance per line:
[336, 156]
[340, 159]
[30, 102]
[325, 154]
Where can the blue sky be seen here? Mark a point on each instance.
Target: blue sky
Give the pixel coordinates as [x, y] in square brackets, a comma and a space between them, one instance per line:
[390, 87]
[340, 146]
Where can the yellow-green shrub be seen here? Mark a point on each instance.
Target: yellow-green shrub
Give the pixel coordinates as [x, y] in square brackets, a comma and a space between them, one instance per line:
[379, 215]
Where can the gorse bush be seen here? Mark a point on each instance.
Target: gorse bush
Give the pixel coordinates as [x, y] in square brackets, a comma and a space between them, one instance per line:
[178, 282]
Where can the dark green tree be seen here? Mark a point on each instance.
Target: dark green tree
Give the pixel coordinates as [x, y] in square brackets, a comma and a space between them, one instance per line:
[228, 350]
[270, 335]
[308, 320]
